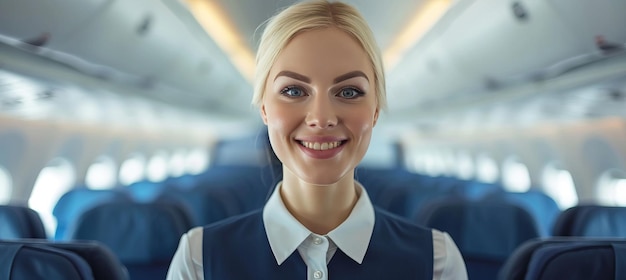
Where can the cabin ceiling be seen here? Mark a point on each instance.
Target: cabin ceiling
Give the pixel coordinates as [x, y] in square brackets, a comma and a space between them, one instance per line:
[484, 62]
[386, 18]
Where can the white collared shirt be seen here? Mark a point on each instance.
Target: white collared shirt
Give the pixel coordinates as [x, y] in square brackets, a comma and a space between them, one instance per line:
[286, 234]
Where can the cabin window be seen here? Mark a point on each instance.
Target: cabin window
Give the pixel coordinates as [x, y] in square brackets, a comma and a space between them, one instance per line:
[156, 171]
[419, 164]
[515, 175]
[430, 165]
[197, 161]
[465, 166]
[435, 164]
[486, 169]
[101, 174]
[611, 188]
[53, 181]
[6, 186]
[177, 163]
[448, 162]
[559, 184]
[132, 169]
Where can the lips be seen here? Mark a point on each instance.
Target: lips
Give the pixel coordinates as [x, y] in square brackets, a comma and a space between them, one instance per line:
[321, 147]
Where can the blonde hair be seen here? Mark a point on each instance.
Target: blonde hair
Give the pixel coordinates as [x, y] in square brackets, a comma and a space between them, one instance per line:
[310, 15]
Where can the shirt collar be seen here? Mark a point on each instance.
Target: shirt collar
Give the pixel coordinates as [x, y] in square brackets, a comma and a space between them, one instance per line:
[285, 233]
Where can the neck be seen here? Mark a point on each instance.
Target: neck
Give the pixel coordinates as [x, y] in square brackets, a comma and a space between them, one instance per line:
[320, 208]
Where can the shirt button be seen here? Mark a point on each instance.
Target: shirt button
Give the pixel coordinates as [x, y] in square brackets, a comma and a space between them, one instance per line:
[318, 274]
[317, 241]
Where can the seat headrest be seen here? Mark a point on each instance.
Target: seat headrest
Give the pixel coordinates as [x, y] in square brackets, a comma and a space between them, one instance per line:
[592, 220]
[474, 224]
[20, 222]
[136, 233]
[24, 261]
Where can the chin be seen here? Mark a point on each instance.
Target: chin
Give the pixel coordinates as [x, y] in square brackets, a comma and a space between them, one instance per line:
[323, 178]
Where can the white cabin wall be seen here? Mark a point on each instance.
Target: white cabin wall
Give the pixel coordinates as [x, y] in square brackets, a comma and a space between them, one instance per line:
[537, 146]
[45, 141]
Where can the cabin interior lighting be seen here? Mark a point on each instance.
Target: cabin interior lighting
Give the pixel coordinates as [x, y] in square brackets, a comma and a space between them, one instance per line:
[6, 186]
[424, 19]
[216, 24]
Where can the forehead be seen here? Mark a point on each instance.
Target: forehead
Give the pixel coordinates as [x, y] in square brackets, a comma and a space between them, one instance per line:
[323, 53]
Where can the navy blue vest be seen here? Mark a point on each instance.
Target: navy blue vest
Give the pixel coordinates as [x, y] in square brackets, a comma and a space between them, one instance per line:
[238, 248]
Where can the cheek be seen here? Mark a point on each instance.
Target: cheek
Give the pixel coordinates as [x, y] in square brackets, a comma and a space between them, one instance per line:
[364, 124]
[280, 122]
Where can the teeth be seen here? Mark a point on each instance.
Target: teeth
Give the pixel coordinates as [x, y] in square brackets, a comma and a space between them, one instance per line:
[321, 146]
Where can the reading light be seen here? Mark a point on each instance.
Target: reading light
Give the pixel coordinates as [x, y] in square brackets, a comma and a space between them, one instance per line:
[423, 20]
[216, 24]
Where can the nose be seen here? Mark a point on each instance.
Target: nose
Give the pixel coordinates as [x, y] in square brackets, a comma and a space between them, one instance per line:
[321, 112]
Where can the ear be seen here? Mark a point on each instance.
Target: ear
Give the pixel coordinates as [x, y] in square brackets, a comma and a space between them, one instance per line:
[263, 114]
[375, 116]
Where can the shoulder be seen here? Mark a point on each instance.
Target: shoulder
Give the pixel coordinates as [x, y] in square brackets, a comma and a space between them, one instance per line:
[187, 261]
[448, 261]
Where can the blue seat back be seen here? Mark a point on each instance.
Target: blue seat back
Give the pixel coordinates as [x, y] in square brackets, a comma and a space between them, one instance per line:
[143, 236]
[540, 206]
[474, 190]
[223, 192]
[567, 258]
[25, 261]
[102, 262]
[207, 205]
[20, 222]
[75, 202]
[486, 232]
[145, 191]
[592, 220]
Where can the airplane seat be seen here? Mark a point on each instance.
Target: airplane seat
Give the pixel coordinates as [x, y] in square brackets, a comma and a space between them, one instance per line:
[75, 202]
[409, 203]
[230, 191]
[379, 180]
[474, 190]
[24, 261]
[20, 222]
[486, 232]
[592, 221]
[102, 262]
[211, 204]
[145, 191]
[447, 183]
[397, 190]
[541, 206]
[567, 258]
[144, 236]
[184, 182]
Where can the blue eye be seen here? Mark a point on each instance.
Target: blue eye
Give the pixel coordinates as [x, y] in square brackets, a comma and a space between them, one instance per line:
[349, 93]
[292, 91]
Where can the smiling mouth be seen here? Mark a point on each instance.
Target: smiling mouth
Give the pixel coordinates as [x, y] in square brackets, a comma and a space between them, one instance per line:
[321, 146]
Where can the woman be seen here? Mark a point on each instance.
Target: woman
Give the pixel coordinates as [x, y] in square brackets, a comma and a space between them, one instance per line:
[320, 88]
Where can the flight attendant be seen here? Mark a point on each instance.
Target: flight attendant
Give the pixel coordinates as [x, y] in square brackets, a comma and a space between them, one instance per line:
[319, 88]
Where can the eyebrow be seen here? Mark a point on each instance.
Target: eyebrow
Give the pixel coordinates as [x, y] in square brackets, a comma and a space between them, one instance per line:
[350, 75]
[293, 75]
[307, 80]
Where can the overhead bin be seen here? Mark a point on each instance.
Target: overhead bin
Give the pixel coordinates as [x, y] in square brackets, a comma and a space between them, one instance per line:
[156, 45]
[34, 20]
[489, 39]
[594, 20]
[139, 37]
[498, 43]
[433, 74]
